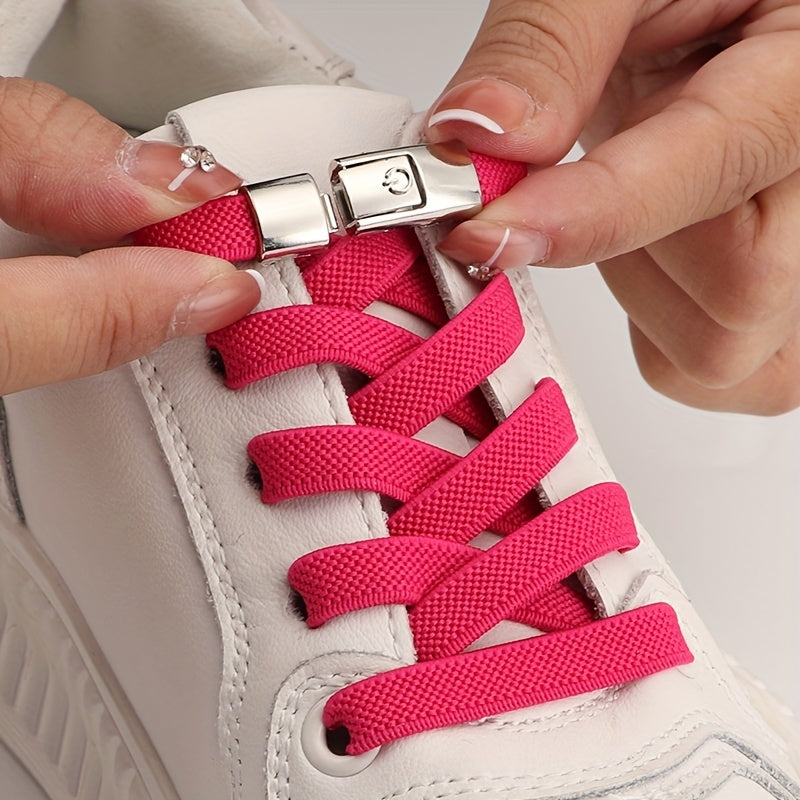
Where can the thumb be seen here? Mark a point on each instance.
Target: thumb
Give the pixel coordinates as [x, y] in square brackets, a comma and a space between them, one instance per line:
[533, 77]
[71, 175]
[64, 317]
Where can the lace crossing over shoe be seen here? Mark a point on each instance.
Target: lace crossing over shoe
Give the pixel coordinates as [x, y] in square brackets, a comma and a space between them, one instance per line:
[388, 517]
[455, 586]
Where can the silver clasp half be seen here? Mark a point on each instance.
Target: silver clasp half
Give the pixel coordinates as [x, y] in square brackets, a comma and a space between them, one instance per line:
[417, 185]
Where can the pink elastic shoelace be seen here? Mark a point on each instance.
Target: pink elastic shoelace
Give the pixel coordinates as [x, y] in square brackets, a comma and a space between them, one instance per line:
[454, 592]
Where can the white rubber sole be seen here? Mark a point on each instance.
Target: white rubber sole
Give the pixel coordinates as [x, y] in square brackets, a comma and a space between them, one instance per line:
[16, 780]
[62, 715]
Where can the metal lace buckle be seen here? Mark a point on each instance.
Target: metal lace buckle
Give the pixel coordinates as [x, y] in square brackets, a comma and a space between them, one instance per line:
[417, 185]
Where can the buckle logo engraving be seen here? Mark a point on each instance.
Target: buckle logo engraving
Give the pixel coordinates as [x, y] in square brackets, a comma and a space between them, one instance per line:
[397, 180]
[416, 185]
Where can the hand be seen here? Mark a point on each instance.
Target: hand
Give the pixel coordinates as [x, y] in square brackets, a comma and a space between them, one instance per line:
[689, 195]
[72, 176]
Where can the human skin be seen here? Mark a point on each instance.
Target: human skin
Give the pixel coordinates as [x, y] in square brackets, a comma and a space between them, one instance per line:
[689, 195]
[73, 177]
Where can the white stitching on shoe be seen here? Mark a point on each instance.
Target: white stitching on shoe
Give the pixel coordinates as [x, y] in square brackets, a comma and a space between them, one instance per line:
[637, 596]
[713, 782]
[230, 614]
[736, 760]
[287, 728]
[587, 710]
[692, 732]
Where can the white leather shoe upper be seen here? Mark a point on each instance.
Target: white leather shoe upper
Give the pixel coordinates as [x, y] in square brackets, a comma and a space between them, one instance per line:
[133, 483]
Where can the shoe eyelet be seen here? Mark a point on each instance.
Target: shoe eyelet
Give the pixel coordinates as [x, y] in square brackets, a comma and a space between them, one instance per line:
[316, 742]
[253, 476]
[297, 606]
[215, 362]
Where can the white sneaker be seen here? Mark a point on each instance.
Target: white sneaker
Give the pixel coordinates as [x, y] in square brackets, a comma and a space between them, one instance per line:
[152, 645]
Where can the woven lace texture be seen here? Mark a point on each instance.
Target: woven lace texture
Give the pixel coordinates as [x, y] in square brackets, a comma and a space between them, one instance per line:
[440, 502]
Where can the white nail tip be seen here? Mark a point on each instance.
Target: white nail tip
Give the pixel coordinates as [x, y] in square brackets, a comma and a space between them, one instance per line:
[177, 182]
[259, 279]
[465, 115]
[502, 246]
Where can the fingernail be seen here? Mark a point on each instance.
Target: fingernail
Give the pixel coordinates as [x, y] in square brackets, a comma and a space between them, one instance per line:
[486, 248]
[220, 302]
[186, 174]
[489, 103]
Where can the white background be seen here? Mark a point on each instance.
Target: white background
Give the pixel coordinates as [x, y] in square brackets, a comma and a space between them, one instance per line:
[720, 493]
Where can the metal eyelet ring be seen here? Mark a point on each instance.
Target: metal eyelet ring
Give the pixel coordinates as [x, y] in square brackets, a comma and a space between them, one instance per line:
[314, 740]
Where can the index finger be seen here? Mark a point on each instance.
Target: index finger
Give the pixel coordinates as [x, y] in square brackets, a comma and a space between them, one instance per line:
[733, 130]
[71, 174]
[533, 75]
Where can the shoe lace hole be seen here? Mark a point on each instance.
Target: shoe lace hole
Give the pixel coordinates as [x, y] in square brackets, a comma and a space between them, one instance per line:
[215, 362]
[337, 740]
[326, 749]
[298, 606]
[253, 475]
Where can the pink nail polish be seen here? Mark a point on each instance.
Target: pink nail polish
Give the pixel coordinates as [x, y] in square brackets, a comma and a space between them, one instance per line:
[218, 303]
[488, 247]
[185, 174]
[492, 104]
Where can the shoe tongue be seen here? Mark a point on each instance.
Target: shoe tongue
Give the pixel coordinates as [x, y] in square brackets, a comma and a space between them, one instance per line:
[271, 132]
[275, 131]
[441, 432]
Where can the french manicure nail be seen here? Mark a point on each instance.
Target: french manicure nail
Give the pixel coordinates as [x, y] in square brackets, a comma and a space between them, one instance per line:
[489, 103]
[186, 174]
[486, 248]
[465, 115]
[218, 303]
